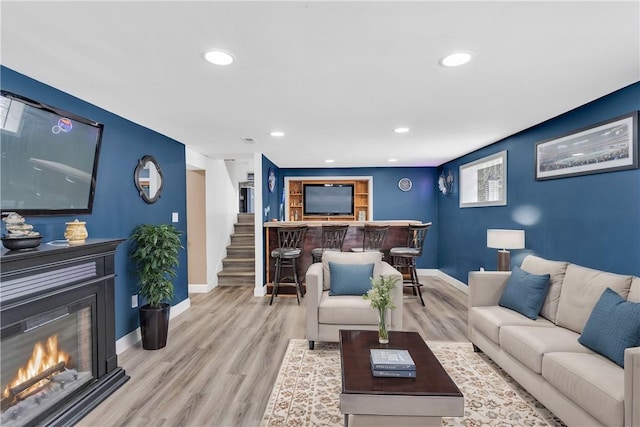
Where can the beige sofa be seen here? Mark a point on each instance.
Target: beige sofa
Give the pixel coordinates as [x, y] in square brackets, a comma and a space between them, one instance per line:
[326, 315]
[579, 386]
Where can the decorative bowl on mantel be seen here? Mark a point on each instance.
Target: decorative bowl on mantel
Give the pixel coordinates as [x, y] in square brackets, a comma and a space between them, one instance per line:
[20, 235]
[17, 243]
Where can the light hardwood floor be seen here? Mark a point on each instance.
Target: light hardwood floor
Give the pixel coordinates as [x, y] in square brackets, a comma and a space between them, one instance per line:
[224, 353]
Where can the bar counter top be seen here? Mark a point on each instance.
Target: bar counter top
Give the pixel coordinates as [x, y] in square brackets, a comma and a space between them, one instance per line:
[396, 236]
[392, 223]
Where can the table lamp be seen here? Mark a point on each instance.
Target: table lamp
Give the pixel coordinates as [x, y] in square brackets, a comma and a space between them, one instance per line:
[503, 240]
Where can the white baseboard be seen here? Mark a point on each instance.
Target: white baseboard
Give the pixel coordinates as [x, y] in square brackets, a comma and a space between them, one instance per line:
[445, 277]
[203, 288]
[260, 291]
[133, 337]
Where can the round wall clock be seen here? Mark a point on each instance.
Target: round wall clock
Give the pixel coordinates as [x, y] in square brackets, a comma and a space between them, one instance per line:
[271, 180]
[405, 184]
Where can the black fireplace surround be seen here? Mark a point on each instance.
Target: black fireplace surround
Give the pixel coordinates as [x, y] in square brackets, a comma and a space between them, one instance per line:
[69, 285]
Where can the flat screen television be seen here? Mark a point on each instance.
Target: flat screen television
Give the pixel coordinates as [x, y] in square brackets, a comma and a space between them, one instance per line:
[49, 158]
[328, 199]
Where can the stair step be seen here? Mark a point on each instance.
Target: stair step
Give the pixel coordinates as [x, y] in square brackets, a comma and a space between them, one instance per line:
[236, 263]
[243, 239]
[247, 228]
[235, 278]
[244, 218]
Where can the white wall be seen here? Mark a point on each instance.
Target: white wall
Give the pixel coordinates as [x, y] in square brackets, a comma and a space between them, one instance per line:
[260, 288]
[222, 210]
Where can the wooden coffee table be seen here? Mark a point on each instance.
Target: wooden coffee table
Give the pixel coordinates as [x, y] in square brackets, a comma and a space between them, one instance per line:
[368, 401]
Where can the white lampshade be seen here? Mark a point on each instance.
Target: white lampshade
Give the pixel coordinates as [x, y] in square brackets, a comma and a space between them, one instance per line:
[505, 239]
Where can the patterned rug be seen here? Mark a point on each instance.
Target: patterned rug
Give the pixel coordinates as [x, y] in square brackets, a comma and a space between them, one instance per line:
[307, 390]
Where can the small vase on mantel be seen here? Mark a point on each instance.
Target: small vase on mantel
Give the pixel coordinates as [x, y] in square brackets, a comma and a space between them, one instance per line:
[383, 332]
[76, 232]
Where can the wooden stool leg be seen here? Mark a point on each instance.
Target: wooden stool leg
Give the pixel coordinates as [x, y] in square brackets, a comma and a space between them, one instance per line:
[295, 278]
[415, 281]
[276, 280]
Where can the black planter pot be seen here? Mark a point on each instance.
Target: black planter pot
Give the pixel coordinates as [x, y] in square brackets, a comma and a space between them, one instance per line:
[154, 326]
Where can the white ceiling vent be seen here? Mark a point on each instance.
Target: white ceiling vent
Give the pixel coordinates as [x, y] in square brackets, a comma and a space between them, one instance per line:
[249, 140]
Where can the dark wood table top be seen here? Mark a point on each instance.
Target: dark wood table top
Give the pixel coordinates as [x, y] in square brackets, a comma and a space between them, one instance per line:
[431, 378]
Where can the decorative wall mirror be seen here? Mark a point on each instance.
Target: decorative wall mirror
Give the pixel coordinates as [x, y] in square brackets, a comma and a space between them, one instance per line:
[148, 179]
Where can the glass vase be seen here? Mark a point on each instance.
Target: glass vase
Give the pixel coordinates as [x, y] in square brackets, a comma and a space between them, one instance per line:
[383, 332]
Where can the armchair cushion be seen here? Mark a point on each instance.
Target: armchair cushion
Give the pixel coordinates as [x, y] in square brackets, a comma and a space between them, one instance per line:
[349, 258]
[350, 279]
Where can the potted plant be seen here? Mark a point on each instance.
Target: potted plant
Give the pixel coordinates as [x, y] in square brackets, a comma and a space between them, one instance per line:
[155, 254]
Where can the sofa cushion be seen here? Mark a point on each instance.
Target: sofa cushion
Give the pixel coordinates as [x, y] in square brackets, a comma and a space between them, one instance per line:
[346, 310]
[581, 290]
[593, 382]
[556, 269]
[350, 279]
[349, 258]
[528, 344]
[525, 292]
[634, 290]
[489, 319]
[614, 325]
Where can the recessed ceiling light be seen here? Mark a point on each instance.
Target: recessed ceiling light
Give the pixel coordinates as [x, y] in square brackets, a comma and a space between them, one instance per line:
[218, 57]
[277, 133]
[329, 161]
[401, 130]
[393, 160]
[455, 59]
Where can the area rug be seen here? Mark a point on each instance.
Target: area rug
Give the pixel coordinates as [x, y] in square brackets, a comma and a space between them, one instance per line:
[307, 389]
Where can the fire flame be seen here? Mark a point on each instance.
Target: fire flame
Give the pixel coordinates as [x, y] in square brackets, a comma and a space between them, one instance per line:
[42, 358]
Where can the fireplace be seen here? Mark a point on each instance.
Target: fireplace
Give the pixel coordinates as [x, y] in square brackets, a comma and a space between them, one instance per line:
[57, 349]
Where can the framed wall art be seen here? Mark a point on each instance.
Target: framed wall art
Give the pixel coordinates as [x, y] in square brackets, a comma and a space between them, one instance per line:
[484, 181]
[604, 147]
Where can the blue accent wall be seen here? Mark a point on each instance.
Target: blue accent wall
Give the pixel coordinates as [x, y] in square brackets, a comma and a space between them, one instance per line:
[591, 220]
[117, 207]
[390, 203]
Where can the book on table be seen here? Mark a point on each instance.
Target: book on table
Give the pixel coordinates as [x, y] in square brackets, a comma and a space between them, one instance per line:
[397, 373]
[391, 360]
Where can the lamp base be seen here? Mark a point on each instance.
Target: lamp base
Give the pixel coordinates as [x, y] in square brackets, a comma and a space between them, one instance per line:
[504, 260]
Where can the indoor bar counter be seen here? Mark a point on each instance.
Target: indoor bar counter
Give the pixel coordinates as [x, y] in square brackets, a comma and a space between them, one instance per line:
[396, 236]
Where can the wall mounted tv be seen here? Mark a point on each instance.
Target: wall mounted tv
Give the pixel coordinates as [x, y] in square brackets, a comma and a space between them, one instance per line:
[49, 158]
[328, 199]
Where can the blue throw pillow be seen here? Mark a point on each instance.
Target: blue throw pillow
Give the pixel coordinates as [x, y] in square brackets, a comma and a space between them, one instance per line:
[614, 324]
[525, 292]
[350, 279]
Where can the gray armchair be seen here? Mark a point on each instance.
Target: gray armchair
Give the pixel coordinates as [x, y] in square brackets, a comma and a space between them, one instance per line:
[326, 314]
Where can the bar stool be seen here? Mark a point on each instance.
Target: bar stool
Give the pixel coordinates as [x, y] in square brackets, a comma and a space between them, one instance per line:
[405, 257]
[373, 238]
[290, 240]
[332, 239]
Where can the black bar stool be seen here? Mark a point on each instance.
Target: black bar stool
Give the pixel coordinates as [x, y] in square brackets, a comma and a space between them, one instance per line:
[373, 239]
[404, 258]
[332, 239]
[290, 241]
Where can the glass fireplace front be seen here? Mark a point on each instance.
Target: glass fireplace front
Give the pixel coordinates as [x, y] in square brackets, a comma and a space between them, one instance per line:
[45, 360]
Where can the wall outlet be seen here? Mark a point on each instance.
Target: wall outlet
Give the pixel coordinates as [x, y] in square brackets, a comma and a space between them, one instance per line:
[134, 301]
[174, 217]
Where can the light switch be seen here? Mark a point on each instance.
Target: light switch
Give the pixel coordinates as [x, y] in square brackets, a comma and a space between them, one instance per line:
[174, 217]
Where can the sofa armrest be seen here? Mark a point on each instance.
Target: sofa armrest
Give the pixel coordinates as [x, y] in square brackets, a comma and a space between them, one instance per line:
[632, 386]
[485, 287]
[313, 283]
[396, 295]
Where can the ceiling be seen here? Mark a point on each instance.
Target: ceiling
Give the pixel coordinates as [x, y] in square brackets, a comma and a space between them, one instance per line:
[336, 77]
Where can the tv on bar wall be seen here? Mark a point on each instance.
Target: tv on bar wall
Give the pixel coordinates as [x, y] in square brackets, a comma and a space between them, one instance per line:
[49, 158]
[328, 199]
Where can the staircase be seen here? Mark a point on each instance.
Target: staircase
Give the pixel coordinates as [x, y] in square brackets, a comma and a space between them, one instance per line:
[238, 268]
